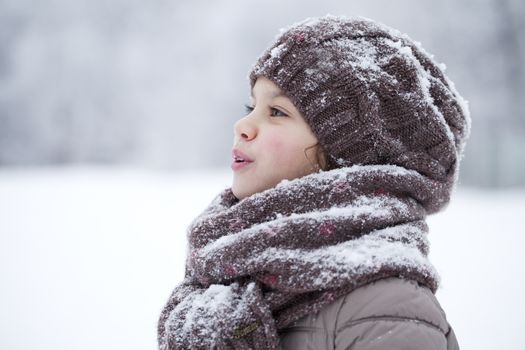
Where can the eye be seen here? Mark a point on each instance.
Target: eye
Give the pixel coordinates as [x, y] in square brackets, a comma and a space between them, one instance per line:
[277, 113]
[248, 109]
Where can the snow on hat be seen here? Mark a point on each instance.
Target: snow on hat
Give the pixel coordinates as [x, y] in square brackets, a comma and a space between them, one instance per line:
[370, 94]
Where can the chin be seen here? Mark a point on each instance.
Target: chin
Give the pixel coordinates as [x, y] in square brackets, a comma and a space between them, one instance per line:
[238, 192]
[244, 191]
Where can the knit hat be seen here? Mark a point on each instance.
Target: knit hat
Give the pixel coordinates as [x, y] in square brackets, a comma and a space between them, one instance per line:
[370, 94]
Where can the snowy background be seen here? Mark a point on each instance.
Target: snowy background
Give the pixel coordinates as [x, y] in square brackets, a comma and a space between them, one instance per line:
[88, 256]
[115, 132]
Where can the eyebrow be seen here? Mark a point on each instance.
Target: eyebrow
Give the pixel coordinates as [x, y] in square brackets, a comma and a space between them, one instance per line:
[273, 95]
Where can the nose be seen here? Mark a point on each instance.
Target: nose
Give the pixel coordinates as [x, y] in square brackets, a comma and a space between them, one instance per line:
[245, 129]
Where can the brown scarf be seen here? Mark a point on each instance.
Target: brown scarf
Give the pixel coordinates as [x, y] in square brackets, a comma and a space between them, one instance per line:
[255, 266]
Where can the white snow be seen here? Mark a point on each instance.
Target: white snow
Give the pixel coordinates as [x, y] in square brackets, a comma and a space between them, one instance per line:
[365, 254]
[362, 206]
[425, 79]
[88, 257]
[277, 51]
[206, 305]
[205, 311]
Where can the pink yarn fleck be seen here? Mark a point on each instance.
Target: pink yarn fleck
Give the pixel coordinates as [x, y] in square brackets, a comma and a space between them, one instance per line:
[229, 269]
[270, 279]
[203, 280]
[326, 228]
[380, 191]
[270, 232]
[329, 295]
[341, 186]
[299, 37]
[236, 224]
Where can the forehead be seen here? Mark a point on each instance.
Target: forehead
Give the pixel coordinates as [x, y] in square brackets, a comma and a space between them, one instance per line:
[264, 86]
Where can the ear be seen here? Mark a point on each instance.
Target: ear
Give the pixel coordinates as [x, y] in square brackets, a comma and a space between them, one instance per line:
[321, 157]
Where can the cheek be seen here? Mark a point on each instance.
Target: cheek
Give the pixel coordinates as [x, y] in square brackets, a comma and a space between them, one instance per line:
[275, 144]
[283, 151]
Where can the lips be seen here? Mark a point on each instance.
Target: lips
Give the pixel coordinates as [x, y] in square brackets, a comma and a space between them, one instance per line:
[239, 156]
[240, 160]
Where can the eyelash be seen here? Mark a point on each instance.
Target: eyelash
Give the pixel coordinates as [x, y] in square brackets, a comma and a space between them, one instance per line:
[249, 109]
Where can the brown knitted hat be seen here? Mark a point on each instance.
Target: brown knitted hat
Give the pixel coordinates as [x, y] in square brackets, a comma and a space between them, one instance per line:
[370, 94]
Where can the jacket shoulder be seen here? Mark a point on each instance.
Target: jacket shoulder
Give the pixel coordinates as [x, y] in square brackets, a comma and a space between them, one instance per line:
[390, 313]
[392, 297]
[393, 311]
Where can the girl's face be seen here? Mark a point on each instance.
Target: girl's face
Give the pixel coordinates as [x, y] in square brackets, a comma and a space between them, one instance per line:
[272, 140]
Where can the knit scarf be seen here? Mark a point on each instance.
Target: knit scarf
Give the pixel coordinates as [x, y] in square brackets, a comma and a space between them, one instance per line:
[256, 265]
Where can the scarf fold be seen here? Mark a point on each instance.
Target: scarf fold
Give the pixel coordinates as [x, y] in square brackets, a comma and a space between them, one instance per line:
[256, 265]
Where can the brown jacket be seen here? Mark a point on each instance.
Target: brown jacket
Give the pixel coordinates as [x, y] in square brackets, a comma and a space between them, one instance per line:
[391, 313]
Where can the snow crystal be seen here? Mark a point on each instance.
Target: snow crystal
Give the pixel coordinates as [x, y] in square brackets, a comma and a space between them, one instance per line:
[275, 54]
[412, 234]
[366, 254]
[277, 51]
[206, 307]
[424, 78]
[365, 53]
[320, 72]
[309, 71]
[325, 177]
[464, 106]
[375, 207]
[309, 21]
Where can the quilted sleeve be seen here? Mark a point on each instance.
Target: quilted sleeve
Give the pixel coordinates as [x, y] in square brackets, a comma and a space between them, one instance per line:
[389, 333]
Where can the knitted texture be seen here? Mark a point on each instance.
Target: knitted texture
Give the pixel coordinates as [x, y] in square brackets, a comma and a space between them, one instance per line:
[255, 266]
[370, 94]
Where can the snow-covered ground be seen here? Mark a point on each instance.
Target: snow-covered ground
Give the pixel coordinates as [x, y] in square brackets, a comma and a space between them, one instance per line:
[88, 256]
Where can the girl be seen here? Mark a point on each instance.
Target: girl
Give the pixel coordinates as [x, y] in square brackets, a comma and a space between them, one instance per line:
[353, 136]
